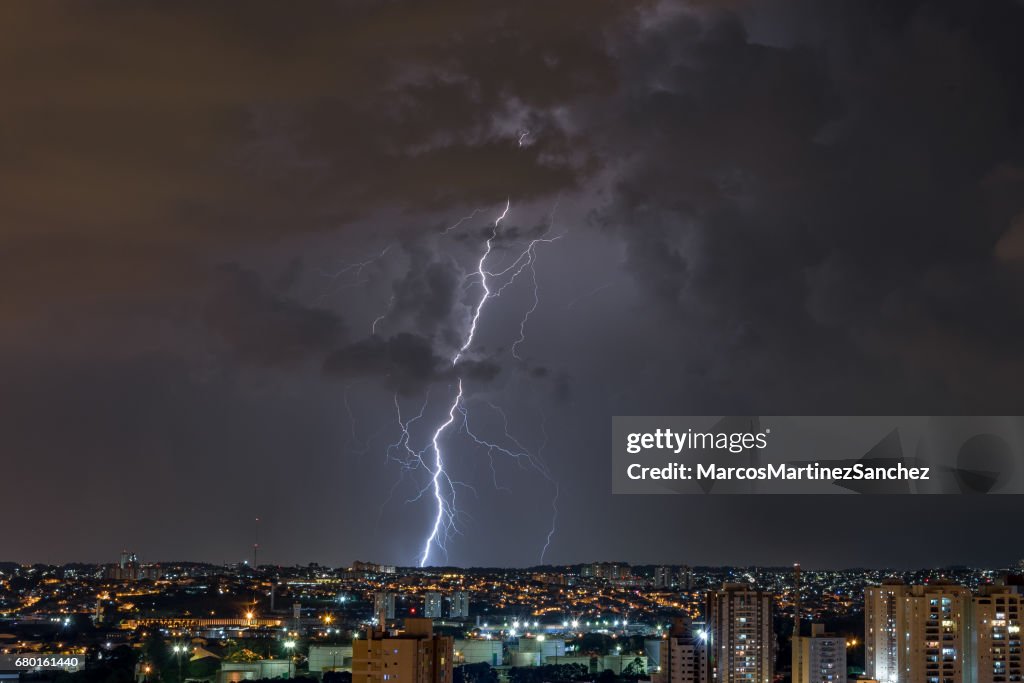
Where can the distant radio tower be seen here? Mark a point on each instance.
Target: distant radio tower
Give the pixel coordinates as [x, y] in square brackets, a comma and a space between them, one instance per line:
[796, 601]
[256, 547]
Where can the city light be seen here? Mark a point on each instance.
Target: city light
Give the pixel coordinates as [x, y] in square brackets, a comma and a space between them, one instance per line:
[562, 608]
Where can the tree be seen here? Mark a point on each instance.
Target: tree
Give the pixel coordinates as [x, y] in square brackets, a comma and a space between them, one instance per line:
[243, 655]
[122, 657]
[206, 667]
[480, 672]
[155, 649]
[634, 669]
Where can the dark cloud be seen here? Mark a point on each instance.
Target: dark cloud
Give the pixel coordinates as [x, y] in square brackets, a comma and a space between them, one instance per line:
[817, 206]
[428, 293]
[169, 133]
[821, 196]
[263, 327]
[405, 362]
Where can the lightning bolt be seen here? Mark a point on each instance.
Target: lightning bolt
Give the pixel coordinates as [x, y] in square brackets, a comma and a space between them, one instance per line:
[531, 264]
[554, 500]
[442, 504]
[440, 487]
[379, 318]
[445, 511]
[534, 461]
[356, 268]
[456, 224]
[483, 283]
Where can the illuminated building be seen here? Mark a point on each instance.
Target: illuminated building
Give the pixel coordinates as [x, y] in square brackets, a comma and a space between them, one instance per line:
[128, 568]
[477, 651]
[995, 635]
[384, 604]
[819, 657]
[413, 655]
[682, 655]
[917, 634]
[432, 605]
[329, 658]
[664, 577]
[372, 568]
[882, 608]
[742, 647]
[935, 629]
[459, 605]
[606, 570]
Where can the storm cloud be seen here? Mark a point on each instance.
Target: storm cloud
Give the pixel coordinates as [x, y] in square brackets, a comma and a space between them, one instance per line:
[235, 229]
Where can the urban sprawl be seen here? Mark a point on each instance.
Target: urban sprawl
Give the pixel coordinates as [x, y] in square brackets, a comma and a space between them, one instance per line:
[178, 622]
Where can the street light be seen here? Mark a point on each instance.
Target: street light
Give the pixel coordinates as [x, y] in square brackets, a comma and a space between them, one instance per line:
[289, 645]
[178, 650]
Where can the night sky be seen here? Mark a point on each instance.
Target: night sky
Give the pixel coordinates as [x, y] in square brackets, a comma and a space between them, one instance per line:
[765, 207]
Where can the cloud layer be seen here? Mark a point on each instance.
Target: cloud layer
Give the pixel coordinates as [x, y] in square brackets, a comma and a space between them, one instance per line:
[767, 207]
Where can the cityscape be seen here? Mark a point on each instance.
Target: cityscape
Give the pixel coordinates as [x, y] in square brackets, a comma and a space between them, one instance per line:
[461, 341]
[172, 622]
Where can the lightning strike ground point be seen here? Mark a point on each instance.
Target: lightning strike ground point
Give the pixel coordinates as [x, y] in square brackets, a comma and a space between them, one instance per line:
[436, 480]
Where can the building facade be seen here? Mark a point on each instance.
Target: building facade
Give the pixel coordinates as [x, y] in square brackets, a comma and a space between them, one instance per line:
[384, 605]
[741, 634]
[412, 655]
[819, 657]
[432, 605]
[883, 607]
[941, 633]
[682, 654]
[995, 635]
[459, 605]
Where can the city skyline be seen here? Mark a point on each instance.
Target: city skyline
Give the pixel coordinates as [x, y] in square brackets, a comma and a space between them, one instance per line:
[607, 620]
[612, 565]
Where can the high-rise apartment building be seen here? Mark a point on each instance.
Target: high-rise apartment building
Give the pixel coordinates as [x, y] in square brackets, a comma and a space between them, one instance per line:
[995, 640]
[432, 605]
[128, 568]
[612, 571]
[413, 655]
[683, 654]
[664, 577]
[686, 578]
[384, 605]
[459, 605]
[935, 627]
[917, 634]
[742, 641]
[883, 609]
[819, 657]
